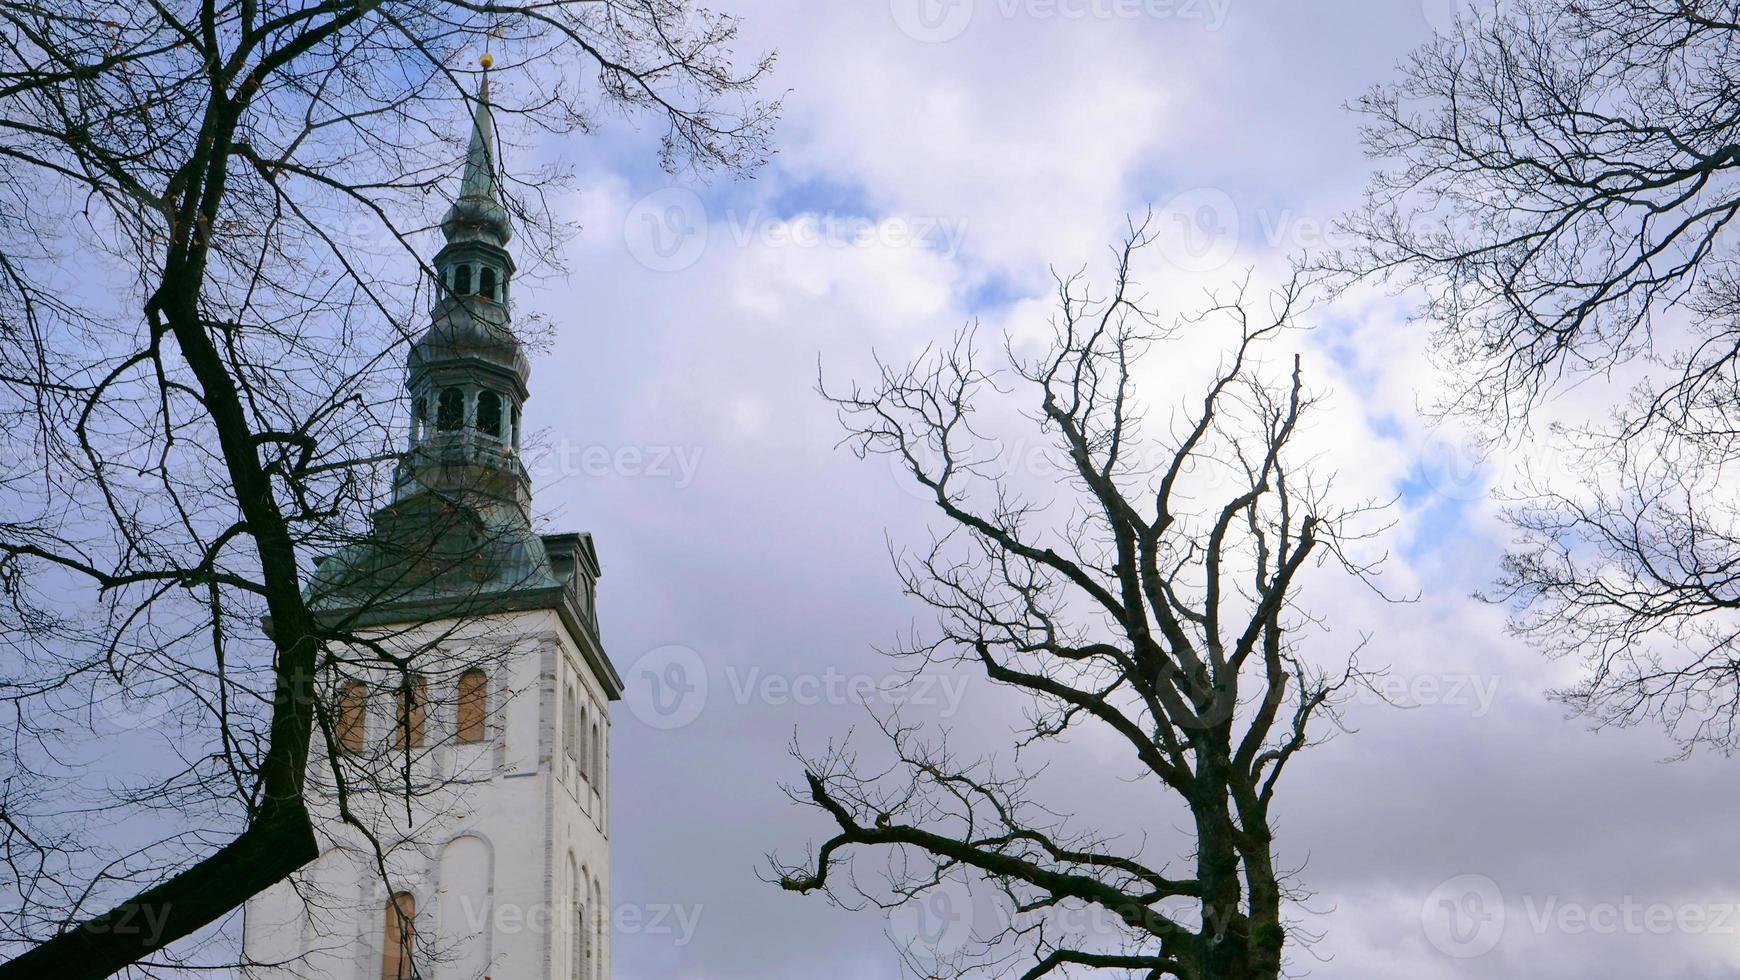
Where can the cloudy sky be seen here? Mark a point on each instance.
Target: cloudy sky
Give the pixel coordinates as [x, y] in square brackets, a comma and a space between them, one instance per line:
[934, 164]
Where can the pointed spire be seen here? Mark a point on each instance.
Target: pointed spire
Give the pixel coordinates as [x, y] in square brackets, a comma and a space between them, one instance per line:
[479, 180]
[478, 213]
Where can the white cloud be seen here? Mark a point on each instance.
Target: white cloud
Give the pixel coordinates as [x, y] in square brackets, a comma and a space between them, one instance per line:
[1039, 137]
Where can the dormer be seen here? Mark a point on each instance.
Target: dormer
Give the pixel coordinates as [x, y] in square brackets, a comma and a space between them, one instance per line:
[574, 562]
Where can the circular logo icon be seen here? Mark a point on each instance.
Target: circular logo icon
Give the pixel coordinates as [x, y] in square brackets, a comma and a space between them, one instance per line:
[1198, 230]
[666, 687]
[929, 456]
[138, 707]
[1464, 916]
[666, 231]
[1195, 708]
[1441, 15]
[932, 21]
[1457, 468]
[943, 919]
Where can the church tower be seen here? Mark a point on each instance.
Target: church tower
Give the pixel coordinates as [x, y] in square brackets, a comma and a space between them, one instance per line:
[459, 781]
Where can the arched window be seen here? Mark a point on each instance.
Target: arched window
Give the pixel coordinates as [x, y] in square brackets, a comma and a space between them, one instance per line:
[462, 280]
[597, 759]
[412, 708]
[419, 418]
[401, 932]
[577, 917]
[489, 413]
[598, 917]
[353, 699]
[578, 940]
[450, 410]
[582, 750]
[570, 725]
[486, 283]
[473, 706]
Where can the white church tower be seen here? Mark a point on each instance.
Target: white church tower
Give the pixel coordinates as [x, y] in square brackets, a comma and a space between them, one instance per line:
[460, 777]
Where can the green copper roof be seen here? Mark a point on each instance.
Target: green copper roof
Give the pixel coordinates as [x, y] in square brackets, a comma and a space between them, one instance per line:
[457, 540]
[429, 549]
[478, 212]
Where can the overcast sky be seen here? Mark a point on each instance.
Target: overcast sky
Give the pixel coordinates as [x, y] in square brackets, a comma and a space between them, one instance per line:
[987, 142]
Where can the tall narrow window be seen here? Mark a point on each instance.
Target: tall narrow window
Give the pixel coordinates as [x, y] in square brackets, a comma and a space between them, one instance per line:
[419, 418]
[408, 730]
[473, 701]
[578, 940]
[570, 725]
[580, 755]
[486, 283]
[597, 759]
[489, 413]
[450, 410]
[516, 419]
[577, 912]
[353, 699]
[598, 946]
[401, 932]
[462, 280]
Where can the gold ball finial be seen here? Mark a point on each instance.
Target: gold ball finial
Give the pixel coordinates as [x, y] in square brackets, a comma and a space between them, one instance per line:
[487, 61]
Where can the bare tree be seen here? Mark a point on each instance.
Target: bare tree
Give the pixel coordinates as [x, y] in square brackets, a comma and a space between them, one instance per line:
[1560, 180]
[1152, 601]
[209, 219]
